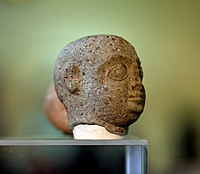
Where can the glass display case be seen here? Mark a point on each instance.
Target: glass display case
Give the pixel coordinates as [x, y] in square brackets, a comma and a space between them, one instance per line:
[66, 155]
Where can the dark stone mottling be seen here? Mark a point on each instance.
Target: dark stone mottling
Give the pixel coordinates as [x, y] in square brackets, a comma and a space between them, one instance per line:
[99, 80]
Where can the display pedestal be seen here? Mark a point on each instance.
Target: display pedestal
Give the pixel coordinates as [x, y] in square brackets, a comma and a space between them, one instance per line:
[16, 152]
[136, 159]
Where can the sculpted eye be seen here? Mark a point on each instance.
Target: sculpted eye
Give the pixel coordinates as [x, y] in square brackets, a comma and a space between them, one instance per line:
[118, 72]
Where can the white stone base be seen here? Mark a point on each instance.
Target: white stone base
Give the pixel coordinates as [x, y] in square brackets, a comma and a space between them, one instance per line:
[95, 132]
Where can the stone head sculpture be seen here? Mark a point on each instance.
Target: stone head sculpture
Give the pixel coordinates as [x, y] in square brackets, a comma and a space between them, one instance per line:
[99, 80]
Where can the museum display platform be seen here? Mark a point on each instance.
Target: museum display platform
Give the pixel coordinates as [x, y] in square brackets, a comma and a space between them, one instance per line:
[64, 154]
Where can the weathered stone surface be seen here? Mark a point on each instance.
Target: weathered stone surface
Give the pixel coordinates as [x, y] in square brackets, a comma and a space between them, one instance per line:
[99, 80]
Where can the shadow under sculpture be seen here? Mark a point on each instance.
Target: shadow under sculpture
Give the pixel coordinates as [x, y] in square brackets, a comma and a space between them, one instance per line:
[98, 78]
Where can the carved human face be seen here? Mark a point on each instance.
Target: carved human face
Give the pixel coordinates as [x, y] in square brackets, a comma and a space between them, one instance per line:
[99, 80]
[121, 93]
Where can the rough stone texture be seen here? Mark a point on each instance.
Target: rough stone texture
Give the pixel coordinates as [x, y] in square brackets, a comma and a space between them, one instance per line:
[55, 111]
[99, 80]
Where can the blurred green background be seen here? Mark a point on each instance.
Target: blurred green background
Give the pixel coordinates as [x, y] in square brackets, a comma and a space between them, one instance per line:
[166, 35]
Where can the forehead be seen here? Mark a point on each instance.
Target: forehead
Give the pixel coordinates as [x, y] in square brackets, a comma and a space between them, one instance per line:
[96, 50]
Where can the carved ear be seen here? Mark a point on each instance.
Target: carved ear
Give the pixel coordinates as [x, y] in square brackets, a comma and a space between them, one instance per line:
[72, 79]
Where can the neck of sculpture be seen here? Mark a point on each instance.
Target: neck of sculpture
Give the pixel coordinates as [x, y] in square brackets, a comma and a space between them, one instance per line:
[93, 132]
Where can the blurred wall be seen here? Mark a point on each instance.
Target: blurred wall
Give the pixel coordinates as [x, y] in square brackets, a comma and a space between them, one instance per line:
[166, 35]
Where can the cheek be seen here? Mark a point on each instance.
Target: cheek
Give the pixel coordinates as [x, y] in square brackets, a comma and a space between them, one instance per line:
[117, 93]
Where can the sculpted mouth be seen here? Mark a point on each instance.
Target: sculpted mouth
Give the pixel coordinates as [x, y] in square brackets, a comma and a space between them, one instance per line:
[136, 100]
[137, 97]
[135, 105]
